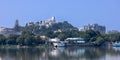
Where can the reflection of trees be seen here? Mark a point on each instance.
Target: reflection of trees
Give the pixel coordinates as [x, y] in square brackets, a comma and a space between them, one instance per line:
[113, 51]
[92, 53]
[22, 53]
[69, 53]
[72, 53]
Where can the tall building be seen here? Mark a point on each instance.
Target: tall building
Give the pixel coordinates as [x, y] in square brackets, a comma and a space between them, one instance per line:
[17, 27]
[94, 27]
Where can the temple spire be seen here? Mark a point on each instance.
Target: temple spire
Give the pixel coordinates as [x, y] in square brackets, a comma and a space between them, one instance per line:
[16, 27]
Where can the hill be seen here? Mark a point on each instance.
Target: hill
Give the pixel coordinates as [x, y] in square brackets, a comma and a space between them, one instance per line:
[54, 27]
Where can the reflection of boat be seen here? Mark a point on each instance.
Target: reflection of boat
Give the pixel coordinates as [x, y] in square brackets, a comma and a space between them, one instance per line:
[116, 48]
[116, 44]
[57, 51]
[76, 52]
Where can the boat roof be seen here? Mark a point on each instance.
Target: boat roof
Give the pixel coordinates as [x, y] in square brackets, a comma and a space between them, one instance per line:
[74, 39]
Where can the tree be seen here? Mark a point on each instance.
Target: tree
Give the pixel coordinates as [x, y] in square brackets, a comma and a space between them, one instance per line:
[20, 40]
[114, 37]
[50, 34]
[62, 36]
[28, 40]
[12, 39]
[2, 39]
[99, 40]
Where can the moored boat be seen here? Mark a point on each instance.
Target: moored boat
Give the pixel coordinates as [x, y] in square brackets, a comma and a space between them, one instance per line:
[116, 44]
[57, 43]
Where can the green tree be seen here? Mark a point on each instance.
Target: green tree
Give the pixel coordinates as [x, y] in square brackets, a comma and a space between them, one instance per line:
[99, 40]
[2, 39]
[12, 39]
[20, 40]
[28, 40]
[62, 36]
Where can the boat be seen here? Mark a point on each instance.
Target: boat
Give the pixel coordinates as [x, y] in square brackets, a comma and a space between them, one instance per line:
[59, 44]
[75, 42]
[116, 44]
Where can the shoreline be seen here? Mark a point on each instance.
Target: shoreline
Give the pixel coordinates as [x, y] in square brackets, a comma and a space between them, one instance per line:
[46, 46]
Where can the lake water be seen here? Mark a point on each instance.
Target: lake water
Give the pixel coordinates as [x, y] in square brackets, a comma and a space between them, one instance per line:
[60, 53]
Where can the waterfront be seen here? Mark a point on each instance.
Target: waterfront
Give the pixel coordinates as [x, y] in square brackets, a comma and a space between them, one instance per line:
[60, 53]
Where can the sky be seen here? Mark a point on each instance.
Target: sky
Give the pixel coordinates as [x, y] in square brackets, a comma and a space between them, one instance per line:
[76, 12]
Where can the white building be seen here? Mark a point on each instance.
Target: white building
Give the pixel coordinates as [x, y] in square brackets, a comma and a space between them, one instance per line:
[46, 23]
[8, 31]
[113, 32]
[94, 27]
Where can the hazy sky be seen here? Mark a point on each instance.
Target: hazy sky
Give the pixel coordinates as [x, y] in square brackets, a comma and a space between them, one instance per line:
[76, 12]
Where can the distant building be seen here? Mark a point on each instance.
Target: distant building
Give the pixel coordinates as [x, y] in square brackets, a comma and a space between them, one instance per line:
[8, 31]
[94, 27]
[17, 26]
[59, 30]
[46, 23]
[43, 37]
[30, 24]
[113, 32]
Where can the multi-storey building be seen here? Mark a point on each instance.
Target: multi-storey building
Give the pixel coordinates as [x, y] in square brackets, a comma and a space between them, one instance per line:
[94, 27]
[46, 23]
[113, 32]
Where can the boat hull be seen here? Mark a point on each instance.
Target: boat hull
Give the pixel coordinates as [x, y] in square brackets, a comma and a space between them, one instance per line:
[58, 44]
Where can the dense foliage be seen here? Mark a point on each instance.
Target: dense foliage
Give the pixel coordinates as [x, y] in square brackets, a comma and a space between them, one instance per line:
[26, 38]
[31, 35]
[43, 30]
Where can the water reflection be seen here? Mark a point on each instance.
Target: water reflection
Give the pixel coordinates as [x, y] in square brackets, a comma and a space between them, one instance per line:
[79, 53]
[60, 53]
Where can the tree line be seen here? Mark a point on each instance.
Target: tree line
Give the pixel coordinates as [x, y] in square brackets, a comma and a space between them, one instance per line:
[31, 35]
[29, 38]
[90, 36]
[26, 38]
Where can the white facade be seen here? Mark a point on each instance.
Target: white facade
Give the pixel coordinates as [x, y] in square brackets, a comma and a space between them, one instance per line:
[8, 31]
[54, 40]
[2, 29]
[93, 27]
[46, 23]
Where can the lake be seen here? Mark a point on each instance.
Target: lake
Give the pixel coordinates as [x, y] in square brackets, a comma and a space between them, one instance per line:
[60, 53]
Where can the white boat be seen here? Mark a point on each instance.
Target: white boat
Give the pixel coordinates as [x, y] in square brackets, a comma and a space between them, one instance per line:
[59, 44]
[116, 44]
